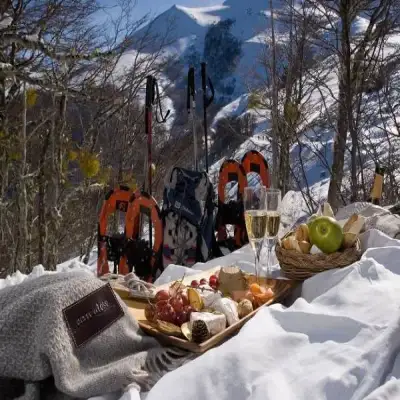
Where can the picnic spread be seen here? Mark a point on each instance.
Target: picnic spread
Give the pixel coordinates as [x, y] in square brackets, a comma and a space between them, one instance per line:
[217, 329]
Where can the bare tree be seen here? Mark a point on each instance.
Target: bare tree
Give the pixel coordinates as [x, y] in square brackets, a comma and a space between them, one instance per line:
[286, 95]
[356, 54]
[66, 94]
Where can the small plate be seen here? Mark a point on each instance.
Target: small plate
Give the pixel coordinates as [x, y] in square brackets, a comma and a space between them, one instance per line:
[126, 293]
[140, 295]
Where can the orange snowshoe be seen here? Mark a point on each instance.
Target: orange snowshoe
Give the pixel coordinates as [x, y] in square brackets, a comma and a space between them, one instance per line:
[253, 161]
[144, 256]
[111, 247]
[231, 212]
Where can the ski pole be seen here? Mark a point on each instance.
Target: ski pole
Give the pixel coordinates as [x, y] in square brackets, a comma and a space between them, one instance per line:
[191, 109]
[206, 103]
[148, 116]
[150, 97]
[152, 93]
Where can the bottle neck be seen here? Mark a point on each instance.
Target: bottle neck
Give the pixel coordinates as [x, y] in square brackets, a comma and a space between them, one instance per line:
[376, 193]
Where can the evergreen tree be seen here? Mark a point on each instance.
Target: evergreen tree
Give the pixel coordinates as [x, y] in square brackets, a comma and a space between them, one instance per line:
[222, 51]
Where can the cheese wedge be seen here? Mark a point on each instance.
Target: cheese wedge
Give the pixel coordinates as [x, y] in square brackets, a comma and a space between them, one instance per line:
[327, 210]
[354, 224]
[228, 307]
[215, 322]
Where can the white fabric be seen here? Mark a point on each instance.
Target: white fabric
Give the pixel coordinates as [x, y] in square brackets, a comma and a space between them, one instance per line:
[243, 258]
[376, 217]
[340, 340]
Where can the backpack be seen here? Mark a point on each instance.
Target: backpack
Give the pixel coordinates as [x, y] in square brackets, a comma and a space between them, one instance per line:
[188, 218]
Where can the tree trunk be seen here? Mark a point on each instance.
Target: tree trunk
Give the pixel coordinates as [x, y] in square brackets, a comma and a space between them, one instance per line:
[284, 163]
[22, 198]
[54, 193]
[28, 261]
[351, 85]
[339, 149]
[275, 112]
[92, 238]
[344, 114]
[285, 131]
[42, 226]
[4, 165]
[354, 183]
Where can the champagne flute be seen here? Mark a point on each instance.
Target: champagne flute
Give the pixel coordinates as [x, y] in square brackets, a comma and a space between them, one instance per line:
[273, 206]
[255, 215]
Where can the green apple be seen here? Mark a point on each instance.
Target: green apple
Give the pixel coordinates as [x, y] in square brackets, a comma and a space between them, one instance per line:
[311, 219]
[326, 233]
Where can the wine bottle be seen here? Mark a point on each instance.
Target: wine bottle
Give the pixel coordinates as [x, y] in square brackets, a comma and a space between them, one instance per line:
[377, 188]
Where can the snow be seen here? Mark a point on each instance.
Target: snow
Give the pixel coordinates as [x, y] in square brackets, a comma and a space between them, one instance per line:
[203, 16]
[5, 21]
[260, 38]
[233, 109]
[34, 37]
[316, 140]
[5, 66]
[360, 25]
[132, 63]
[190, 24]
[37, 271]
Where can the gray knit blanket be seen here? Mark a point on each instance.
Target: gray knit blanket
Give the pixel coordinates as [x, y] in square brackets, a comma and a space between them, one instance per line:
[41, 359]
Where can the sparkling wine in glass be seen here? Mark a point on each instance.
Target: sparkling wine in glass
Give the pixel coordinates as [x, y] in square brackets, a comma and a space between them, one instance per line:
[255, 215]
[273, 206]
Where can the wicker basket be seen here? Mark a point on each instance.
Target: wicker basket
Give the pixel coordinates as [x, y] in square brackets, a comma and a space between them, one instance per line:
[299, 267]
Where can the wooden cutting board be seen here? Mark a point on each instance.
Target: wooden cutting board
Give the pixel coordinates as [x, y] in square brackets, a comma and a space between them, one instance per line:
[281, 287]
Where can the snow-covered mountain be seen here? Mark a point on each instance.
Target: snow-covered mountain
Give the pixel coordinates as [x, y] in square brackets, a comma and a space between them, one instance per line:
[185, 31]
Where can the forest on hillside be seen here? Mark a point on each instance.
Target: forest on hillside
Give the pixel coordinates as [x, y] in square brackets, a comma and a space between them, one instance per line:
[72, 117]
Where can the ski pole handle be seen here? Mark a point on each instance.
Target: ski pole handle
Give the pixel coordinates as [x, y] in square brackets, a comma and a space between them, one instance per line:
[204, 77]
[163, 118]
[191, 91]
[150, 91]
[211, 99]
[207, 101]
[191, 105]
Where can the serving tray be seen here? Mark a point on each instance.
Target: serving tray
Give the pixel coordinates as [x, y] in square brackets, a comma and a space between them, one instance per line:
[281, 287]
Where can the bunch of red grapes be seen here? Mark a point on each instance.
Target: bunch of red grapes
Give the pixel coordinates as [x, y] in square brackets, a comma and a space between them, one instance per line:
[174, 308]
[212, 282]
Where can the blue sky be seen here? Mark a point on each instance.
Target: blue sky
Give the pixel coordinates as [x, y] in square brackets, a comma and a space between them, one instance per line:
[158, 6]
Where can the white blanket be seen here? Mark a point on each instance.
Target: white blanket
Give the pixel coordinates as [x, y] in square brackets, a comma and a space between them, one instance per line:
[340, 340]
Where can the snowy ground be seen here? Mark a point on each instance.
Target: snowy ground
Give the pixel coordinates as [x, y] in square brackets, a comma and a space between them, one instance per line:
[39, 270]
[293, 208]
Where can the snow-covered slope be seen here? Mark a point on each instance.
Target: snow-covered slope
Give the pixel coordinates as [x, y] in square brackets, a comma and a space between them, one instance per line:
[379, 138]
